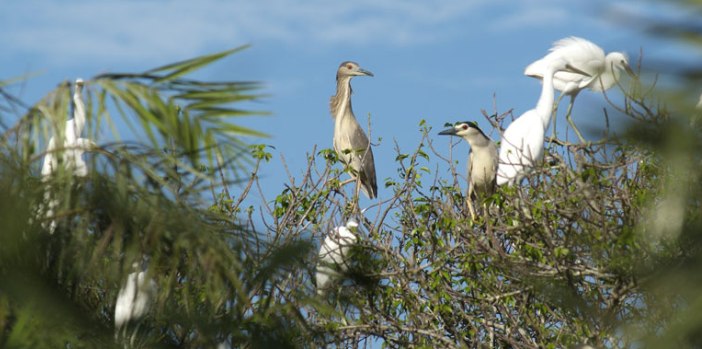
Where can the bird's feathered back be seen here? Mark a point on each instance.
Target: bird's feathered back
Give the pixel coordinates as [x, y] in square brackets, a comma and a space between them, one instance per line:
[134, 298]
[333, 254]
[523, 140]
[350, 141]
[586, 56]
[483, 169]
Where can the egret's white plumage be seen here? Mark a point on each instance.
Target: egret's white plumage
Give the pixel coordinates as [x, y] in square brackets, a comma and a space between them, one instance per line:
[73, 146]
[134, 298]
[70, 150]
[333, 254]
[523, 140]
[603, 71]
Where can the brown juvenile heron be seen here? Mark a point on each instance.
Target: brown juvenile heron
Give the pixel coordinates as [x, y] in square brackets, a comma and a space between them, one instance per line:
[350, 142]
[482, 163]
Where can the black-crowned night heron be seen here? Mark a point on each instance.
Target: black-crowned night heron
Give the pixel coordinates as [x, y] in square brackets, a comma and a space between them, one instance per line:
[602, 71]
[523, 141]
[482, 162]
[350, 141]
[334, 253]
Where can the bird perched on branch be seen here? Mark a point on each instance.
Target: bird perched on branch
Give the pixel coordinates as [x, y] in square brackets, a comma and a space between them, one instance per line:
[602, 71]
[133, 300]
[69, 150]
[350, 141]
[523, 140]
[482, 162]
[334, 254]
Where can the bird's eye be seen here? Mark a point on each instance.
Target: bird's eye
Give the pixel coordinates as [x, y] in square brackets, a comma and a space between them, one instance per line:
[465, 127]
[349, 66]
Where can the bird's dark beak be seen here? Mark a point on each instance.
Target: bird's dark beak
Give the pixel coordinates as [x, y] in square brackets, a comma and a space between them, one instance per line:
[362, 71]
[573, 69]
[630, 71]
[448, 132]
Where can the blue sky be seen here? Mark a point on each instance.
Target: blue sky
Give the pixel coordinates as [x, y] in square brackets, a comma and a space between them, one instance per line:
[440, 61]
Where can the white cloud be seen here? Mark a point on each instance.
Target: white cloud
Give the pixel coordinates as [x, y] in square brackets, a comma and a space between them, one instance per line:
[155, 29]
[109, 32]
[531, 17]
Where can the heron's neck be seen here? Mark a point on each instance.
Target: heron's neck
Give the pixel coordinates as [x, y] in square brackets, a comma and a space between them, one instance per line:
[340, 103]
[610, 75]
[78, 112]
[544, 107]
[479, 141]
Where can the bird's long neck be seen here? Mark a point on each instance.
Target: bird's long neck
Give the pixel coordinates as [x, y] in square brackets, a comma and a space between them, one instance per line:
[610, 74]
[544, 106]
[478, 141]
[340, 103]
[78, 111]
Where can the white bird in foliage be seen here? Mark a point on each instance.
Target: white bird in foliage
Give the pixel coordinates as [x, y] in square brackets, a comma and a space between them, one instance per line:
[350, 142]
[134, 298]
[70, 151]
[602, 71]
[482, 163]
[334, 253]
[523, 140]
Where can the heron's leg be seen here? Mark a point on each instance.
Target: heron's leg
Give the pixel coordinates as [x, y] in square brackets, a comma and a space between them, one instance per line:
[356, 191]
[555, 112]
[555, 117]
[470, 208]
[358, 187]
[469, 202]
[354, 180]
[350, 180]
[570, 120]
[343, 309]
[134, 334]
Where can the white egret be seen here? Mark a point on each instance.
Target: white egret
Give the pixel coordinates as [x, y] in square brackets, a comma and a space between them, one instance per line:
[482, 162]
[70, 149]
[602, 71]
[134, 299]
[350, 142]
[523, 140]
[333, 254]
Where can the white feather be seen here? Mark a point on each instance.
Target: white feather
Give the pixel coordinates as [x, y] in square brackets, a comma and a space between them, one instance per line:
[70, 150]
[604, 70]
[134, 298]
[523, 141]
[333, 255]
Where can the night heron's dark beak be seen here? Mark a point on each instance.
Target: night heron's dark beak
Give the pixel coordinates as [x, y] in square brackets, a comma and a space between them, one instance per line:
[448, 132]
[362, 71]
[573, 69]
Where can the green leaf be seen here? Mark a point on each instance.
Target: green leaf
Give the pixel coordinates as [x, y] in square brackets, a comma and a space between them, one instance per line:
[184, 67]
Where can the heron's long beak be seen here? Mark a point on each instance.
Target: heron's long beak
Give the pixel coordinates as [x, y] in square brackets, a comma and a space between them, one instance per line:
[629, 71]
[573, 69]
[362, 71]
[448, 132]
